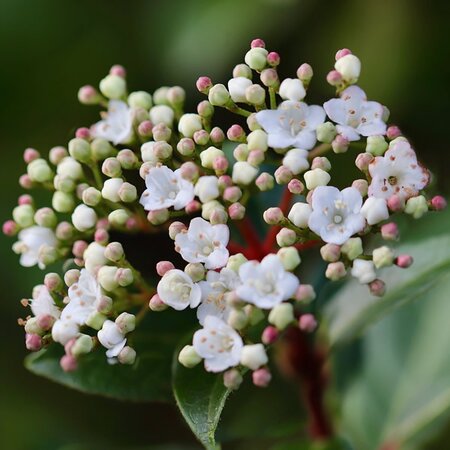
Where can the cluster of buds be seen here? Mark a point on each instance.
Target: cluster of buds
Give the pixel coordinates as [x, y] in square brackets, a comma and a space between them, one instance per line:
[192, 167]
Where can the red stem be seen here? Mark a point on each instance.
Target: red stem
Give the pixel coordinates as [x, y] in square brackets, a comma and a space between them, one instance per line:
[254, 249]
[234, 248]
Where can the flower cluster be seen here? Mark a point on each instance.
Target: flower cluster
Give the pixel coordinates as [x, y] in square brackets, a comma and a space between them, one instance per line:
[199, 181]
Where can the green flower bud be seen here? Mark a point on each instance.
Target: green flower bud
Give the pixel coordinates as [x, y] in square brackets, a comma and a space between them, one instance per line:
[82, 345]
[95, 320]
[289, 257]
[256, 58]
[127, 355]
[236, 261]
[255, 94]
[196, 271]
[218, 95]
[107, 278]
[23, 215]
[39, 171]
[376, 145]
[352, 248]
[326, 132]
[111, 167]
[32, 327]
[113, 87]
[188, 357]
[80, 150]
[64, 184]
[91, 196]
[140, 99]
[114, 251]
[282, 315]
[101, 149]
[118, 217]
[46, 217]
[237, 319]
[47, 255]
[416, 206]
[126, 322]
[160, 96]
[383, 257]
[208, 156]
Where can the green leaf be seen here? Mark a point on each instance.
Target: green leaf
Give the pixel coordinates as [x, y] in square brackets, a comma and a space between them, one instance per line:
[201, 397]
[352, 309]
[147, 380]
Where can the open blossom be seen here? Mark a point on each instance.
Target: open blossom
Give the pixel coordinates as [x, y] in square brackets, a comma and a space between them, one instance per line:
[204, 243]
[43, 304]
[397, 172]
[166, 188]
[213, 293]
[267, 283]
[293, 124]
[117, 126]
[32, 239]
[218, 344]
[355, 115]
[112, 338]
[336, 215]
[177, 290]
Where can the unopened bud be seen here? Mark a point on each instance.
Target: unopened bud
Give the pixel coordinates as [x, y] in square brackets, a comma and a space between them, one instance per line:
[307, 323]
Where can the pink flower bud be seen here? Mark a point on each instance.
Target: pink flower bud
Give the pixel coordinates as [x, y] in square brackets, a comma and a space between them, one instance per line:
[216, 135]
[118, 70]
[101, 236]
[30, 154]
[204, 84]
[305, 293]
[269, 77]
[88, 95]
[10, 228]
[236, 133]
[404, 261]
[377, 288]
[186, 146]
[295, 186]
[25, 199]
[334, 78]
[45, 321]
[33, 342]
[361, 185]
[232, 194]
[273, 59]
[145, 128]
[56, 154]
[78, 248]
[261, 377]
[396, 203]
[283, 175]
[438, 202]
[83, 133]
[321, 162]
[335, 271]
[175, 228]
[269, 335]
[218, 216]
[68, 363]
[363, 160]
[164, 266]
[393, 132]
[52, 282]
[189, 171]
[305, 72]
[156, 304]
[131, 224]
[201, 137]
[25, 181]
[265, 181]
[224, 182]
[158, 216]
[69, 345]
[236, 211]
[273, 216]
[330, 252]
[258, 43]
[255, 157]
[342, 52]
[340, 144]
[220, 165]
[307, 323]
[161, 132]
[205, 109]
[389, 231]
[192, 207]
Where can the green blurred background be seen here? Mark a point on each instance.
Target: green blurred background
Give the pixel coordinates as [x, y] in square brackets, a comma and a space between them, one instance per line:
[49, 48]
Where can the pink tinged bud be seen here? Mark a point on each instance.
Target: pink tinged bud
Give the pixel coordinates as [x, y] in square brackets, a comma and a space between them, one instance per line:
[283, 175]
[189, 171]
[218, 216]
[334, 78]
[118, 70]
[45, 321]
[101, 236]
[404, 261]
[83, 133]
[131, 224]
[261, 377]
[393, 132]
[224, 182]
[52, 281]
[69, 345]
[88, 95]
[363, 160]
[438, 203]
[236, 211]
[204, 84]
[220, 165]
[321, 162]
[158, 216]
[175, 228]
[269, 77]
[164, 266]
[269, 335]
[156, 304]
[205, 109]
[232, 379]
[186, 146]
[396, 203]
[305, 293]
[389, 231]
[340, 144]
[335, 271]
[305, 72]
[193, 207]
[161, 132]
[309, 197]
[255, 157]
[377, 288]
[307, 323]
[236, 133]
[25, 181]
[145, 128]
[102, 224]
[10, 228]
[33, 342]
[68, 363]
[201, 137]
[273, 59]
[30, 154]
[258, 43]
[265, 181]
[232, 194]
[273, 216]
[216, 135]
[78, 248]
[56, 154]
[295, 186]
[361, 185]
[342, 52]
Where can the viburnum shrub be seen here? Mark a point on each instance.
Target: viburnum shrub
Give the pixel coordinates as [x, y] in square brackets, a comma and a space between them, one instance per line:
[148, 167]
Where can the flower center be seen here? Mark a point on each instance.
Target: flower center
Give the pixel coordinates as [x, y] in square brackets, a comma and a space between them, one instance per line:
[392, 180]
[337, 218]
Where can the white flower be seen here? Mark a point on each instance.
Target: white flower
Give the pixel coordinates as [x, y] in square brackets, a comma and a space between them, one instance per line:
[83, 296]
[336, 215]
[43, 304]
[267, 283]
[355, 115]
[177, 290]
[364, 271]
[207, 188]
[397, 172]
[204, 243]
[254, 356]
[111, 338]
[162, 114]
[117, 127]
[84, 218]
[166, 188]
[375, 210]
[349, 66]
[292, 89]
[237, 87]
[94, 257]
[213, 290]
[31, 240]
[189, 124]
[218, 344]
[64, 330]
[243, 173]
[296, 160]
[292, 124]
[299, 214]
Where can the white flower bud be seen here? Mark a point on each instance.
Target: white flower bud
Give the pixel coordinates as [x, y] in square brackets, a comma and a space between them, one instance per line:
[218, 95]
[237, 87]
[296, 160]
[189, 124]
[80, 150]
[375, 210]
[253, 356]
[207, 188]
[110, 190]
[113, 87]
[256, 58]
[257, 140]
[364, 271]
[94, 256]
[383, 257]
[208, 156]
[63, 202]
[209, 207]
[188, 357]
[289, 257]
[282, 315]
[352, 248]
[127, 355]
[236, 261]
[107, 278]
[299, 214]
[118, 217]
[292, 89]
[84, 218]
[23, 215]
[316, 177]
[349, 66]
[39, 171]
[140, 99]
[244, 173]
[126, 322]
[162, 114]
[255, 94]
